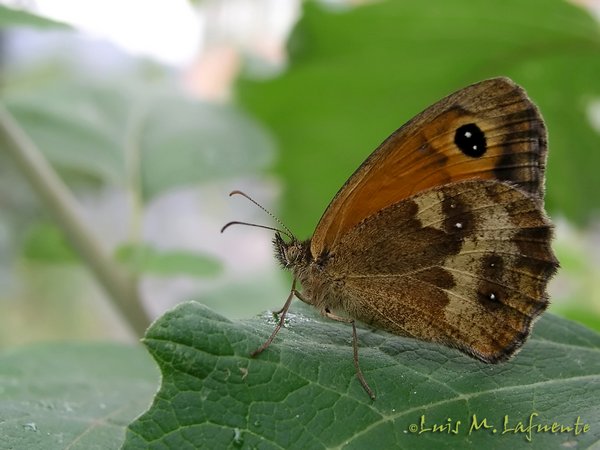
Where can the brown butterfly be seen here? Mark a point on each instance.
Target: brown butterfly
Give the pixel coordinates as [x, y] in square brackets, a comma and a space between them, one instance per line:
[441, 233]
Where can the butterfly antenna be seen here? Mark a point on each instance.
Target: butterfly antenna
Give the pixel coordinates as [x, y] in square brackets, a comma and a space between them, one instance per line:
[287, 231]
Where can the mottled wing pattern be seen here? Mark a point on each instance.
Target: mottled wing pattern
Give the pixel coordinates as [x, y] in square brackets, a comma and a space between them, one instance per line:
[465, 264]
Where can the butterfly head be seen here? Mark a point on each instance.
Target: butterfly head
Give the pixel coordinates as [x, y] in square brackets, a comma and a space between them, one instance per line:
[289, 254]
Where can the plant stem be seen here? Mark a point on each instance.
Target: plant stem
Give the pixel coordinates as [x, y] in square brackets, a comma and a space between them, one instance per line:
[55, 195]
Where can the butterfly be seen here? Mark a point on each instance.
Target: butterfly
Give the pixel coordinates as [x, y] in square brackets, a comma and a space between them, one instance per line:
[441, 234]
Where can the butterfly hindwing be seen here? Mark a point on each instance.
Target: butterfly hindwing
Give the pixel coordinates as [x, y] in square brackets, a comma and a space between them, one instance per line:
[467, 266]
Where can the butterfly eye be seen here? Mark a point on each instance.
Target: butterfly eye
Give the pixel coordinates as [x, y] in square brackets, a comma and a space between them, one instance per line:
[470, 140]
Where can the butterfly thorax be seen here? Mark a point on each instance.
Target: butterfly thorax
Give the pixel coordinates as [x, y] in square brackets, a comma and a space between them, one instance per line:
[296, 257]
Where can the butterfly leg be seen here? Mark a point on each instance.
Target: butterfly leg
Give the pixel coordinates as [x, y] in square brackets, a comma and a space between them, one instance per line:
[283, 311]
[359, 373]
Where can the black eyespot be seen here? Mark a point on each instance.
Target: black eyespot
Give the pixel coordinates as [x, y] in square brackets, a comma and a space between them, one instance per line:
[471, 140]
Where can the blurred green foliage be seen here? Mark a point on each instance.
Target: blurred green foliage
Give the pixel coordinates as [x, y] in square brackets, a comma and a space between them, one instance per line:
[45, 242]
[123, 128]
[12, 18]
[147, 259]
[135, 132]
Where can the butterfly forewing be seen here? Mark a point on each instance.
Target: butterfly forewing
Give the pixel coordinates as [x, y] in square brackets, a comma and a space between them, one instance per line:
[490, 130]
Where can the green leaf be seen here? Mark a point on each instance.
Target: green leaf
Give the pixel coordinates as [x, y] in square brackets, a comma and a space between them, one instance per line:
[10, 17]
[46, 242]
[574, 311]
[147, 259]
[76, 396]
[302, 392]
[146, 136]
[357, 75]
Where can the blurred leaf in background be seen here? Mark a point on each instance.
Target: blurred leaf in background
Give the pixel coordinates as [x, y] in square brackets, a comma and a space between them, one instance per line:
[12, 18]
[139, 134]
[150, 165]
